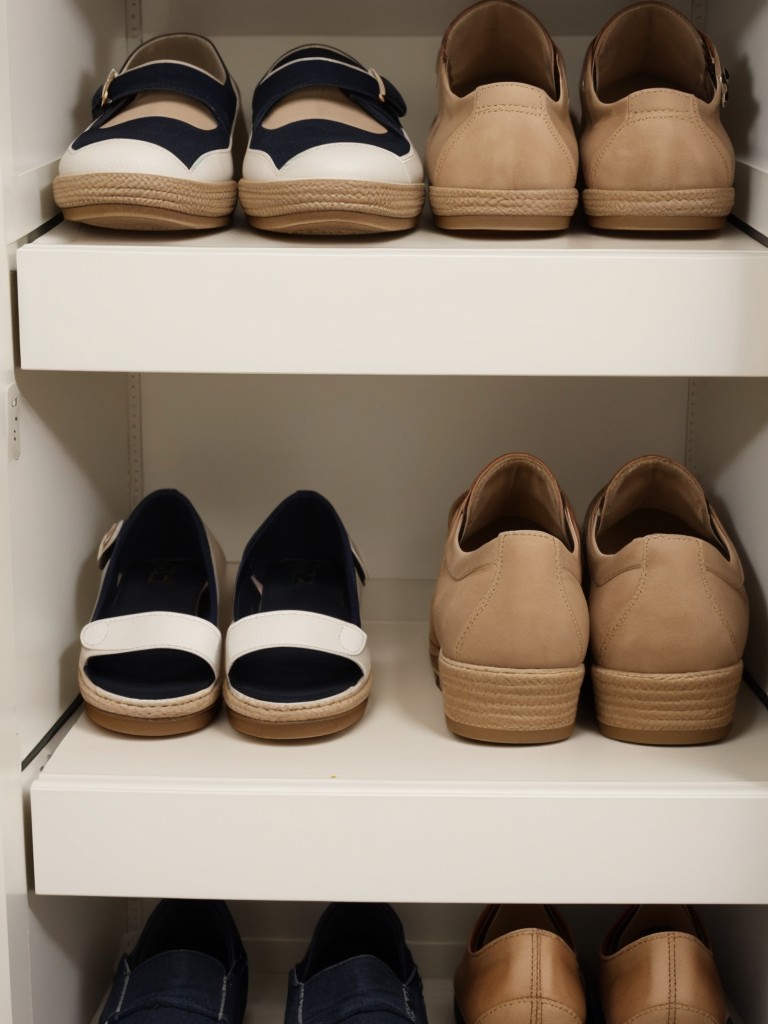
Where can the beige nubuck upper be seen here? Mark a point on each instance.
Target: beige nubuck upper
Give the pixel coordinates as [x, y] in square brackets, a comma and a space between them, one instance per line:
[656, 967]
[654, 153]
[520, 967]
[668, 609]
[502, 153]
[508, 626]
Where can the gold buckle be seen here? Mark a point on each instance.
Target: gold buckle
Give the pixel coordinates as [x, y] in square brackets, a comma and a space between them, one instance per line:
[105, 91]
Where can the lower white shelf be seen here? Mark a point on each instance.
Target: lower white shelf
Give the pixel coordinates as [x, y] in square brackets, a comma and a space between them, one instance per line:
[399, 809]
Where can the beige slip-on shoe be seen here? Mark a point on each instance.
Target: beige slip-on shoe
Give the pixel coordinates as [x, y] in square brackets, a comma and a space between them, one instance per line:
[502, 154]
[654, 154]
[508, 624]
[667, 605]
[656, 966]
[519, 967]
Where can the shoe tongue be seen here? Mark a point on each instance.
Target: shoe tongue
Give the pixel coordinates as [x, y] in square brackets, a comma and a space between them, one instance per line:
[516, 487]
[660, 484]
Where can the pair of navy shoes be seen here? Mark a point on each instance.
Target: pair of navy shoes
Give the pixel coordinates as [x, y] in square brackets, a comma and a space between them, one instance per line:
[327, 152]
[189, 966]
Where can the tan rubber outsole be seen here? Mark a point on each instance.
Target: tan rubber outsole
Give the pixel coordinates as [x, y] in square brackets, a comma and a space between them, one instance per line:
[144, 202]
[296, 730]
[666, 709]
[675, 210]
[514, 706]
[130, 726]
[472, 209]
[333, 207]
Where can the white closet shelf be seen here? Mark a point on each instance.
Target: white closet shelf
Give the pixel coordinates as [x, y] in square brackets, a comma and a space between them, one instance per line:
[575, 304]
[398, 808]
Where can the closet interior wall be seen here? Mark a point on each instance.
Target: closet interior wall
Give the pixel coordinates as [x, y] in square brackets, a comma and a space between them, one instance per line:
[390, 451]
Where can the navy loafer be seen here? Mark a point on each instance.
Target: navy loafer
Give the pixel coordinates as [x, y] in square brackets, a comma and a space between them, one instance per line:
[188, 967]
[358, 969]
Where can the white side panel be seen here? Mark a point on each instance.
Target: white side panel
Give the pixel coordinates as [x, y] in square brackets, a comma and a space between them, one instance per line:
[68, 484]
[729, 450]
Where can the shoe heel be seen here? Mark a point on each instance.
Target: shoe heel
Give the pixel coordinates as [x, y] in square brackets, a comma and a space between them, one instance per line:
[666, 708]
[501, 705]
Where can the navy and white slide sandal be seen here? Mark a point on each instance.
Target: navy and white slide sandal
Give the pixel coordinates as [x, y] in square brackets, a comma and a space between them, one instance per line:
[297, 660]
[328, 154]
[158, 153]
[150, 656]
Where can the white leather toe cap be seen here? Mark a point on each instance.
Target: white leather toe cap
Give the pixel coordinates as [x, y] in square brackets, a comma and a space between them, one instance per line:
[131, 156]
[351, 161]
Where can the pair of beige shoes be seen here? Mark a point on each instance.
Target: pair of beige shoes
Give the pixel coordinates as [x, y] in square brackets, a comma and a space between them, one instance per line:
[665, 617]
[503, 154]
[655, 965]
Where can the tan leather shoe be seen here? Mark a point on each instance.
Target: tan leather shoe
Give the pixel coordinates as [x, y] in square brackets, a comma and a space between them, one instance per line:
[502, 154]
[520, 966]
[508, 627]
[654, 154]
[656, 966]
[668, 609]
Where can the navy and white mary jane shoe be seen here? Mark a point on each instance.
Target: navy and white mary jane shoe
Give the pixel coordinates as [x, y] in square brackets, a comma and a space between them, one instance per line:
[328, 154]
[158, 154]
[297, 660]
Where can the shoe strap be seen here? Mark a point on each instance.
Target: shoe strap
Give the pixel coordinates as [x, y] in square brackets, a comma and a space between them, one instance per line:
[166, 76]
[146, 631]
[288, 628]
[308, 69]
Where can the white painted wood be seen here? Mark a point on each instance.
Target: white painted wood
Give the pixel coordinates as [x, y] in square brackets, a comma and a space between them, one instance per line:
[399, 809]
[237, 302]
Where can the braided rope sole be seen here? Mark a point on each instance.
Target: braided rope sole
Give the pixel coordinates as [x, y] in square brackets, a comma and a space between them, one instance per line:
[508, 705]
[129, 710]
[479, 202]
[282, 198]
[150, 191]
[687, 704]
[304, 711]
[693, 202]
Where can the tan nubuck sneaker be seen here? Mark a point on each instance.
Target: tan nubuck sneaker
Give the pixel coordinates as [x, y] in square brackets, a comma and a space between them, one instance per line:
[502, 154]
[508, 626]
[654, 154]
[667, 606]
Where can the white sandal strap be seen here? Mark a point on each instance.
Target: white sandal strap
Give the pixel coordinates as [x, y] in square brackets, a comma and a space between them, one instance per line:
[289, 628]
[144, 631]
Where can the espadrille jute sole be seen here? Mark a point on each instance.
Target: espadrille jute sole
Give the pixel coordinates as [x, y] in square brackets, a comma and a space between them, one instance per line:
[703, 209]
[144, 202]
[334, 207]
[273, 721]
[501, 705]
[472, 209]
[666, 709]
[147, 717]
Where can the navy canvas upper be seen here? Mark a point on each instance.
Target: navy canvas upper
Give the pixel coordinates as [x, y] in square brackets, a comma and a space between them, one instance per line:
[189, 966]
[185, 141]
[357, 968]
[319, 66]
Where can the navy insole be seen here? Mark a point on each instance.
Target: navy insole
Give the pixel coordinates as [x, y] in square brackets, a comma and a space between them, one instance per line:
[155, 585]
[290, 674]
